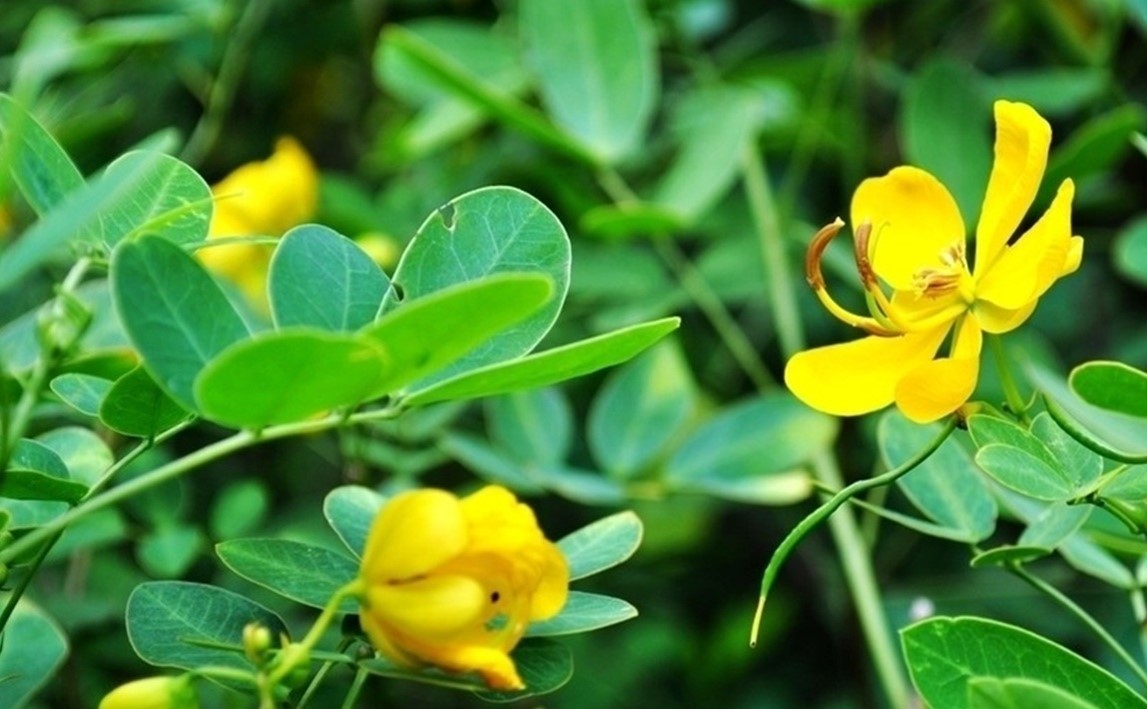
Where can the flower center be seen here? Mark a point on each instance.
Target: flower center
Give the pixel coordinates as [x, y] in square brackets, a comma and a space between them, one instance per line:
[950, 276]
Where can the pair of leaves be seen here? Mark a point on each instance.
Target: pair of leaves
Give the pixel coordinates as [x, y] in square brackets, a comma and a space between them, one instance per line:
[133, 405]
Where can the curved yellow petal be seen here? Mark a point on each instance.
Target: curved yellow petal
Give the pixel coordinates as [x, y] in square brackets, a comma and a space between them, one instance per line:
[495, 666]
[939, 387]
[1022, 141]
[272, 195]
[415, 532]
[1074, 256]
[1027, 268]
[916, 313]
[996, 320]
[433, 608]
[914, 218]
[858, 377]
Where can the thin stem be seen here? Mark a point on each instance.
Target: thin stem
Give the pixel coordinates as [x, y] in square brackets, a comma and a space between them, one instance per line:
[768, 223]
[1011, 391]
[25, 581]
[300, 652]
[317, 680]
[1056, 595]
[1139, 607]
[831, 505]
[242, 33]
[355, 689]
[174, 469]
[716, 312]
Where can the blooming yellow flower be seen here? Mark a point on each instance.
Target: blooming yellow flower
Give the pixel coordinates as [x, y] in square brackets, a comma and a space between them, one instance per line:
[454, 583]
[260, 198]
[152, 693]
[909, 234]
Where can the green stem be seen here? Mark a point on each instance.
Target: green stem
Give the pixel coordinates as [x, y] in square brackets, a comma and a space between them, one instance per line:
[355, 689]
[715, 311]
[25, 581]
[1011, 391]
[1139, 607]
[300, 652]
[223, 89]
[767, 220]
[831, 505]
[317, 680]
[1056, 595]
[176, 468]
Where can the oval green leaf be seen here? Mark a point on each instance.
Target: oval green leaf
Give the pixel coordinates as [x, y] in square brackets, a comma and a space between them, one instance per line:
[533, 426]
[1113, 435]
[39, 166]
[301, 572]
[82, 392]
[602, 544]
[36, 472]
[175, 314]
[550, 367]
[173, 202]
[182, 624]
[1021, 471]
[424, 336]
[582, 613]
[944, 654]
[1113, 386]
[499, 230]
[34, 647]
[1020, 693]
[320, 278]
[287, 376]
[136, 406]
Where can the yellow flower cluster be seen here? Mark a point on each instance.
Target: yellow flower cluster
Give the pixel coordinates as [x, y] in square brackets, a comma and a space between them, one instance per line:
[910, 236]
[453, 582]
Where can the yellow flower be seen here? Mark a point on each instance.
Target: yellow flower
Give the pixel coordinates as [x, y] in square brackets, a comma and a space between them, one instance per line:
[260, 198]
[152, 693]
[454, 583]
[909, 234]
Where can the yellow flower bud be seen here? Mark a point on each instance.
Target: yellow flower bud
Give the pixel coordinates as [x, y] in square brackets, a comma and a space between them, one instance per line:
[454, 583]
[153, 693]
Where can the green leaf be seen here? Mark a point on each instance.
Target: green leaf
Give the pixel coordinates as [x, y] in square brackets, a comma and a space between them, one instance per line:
[77, 215]
[1020, 693]
[582, 613]
[945, 119]
[301, 572]
[1055, 525]
[1130, 251]
[286, 376]
[627, 220]
[1113, 386]
[602, 544]
[596, 62]
[1052, 91]
[533, 426]
[759, 438]
[585, 487]
[85, 455]
[181, 624]
[549, 367]
[168, 552]
[82, 392]
[172, 201]
[350, 511]
[1046, 466]
[322, 279]
[1094, 147]
[136, 406]
[500, 229]
[1129, 485]
[175, 314]
[999, 556]
[447, 71]
[36, 472]
[944, 654]
[544, 665]
[39, 166]
[424, 336]
[1019, 470]
[946, 486]
[490, 463]
[1113, 435]
[238, 509]
[641, 408]
[33, 648]
[714, 126]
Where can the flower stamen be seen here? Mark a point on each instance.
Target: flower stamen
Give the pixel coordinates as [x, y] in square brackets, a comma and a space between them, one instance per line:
[878, 323]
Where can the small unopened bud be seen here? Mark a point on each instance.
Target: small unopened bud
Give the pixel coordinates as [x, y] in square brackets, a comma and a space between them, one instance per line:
[297, 658]
[61, 323]
[153, 693]
[256, 642]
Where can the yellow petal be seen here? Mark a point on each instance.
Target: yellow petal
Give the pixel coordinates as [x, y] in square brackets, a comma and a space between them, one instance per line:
[432, 609]
[414, 533]
[553, 588]
[857, 377]
[1022, 141]
[272, 195]
[996, 320]
[914, 219]
[495, 666]
[916, 313]
[1027, 268]
[939, 387]
[1074, 255]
